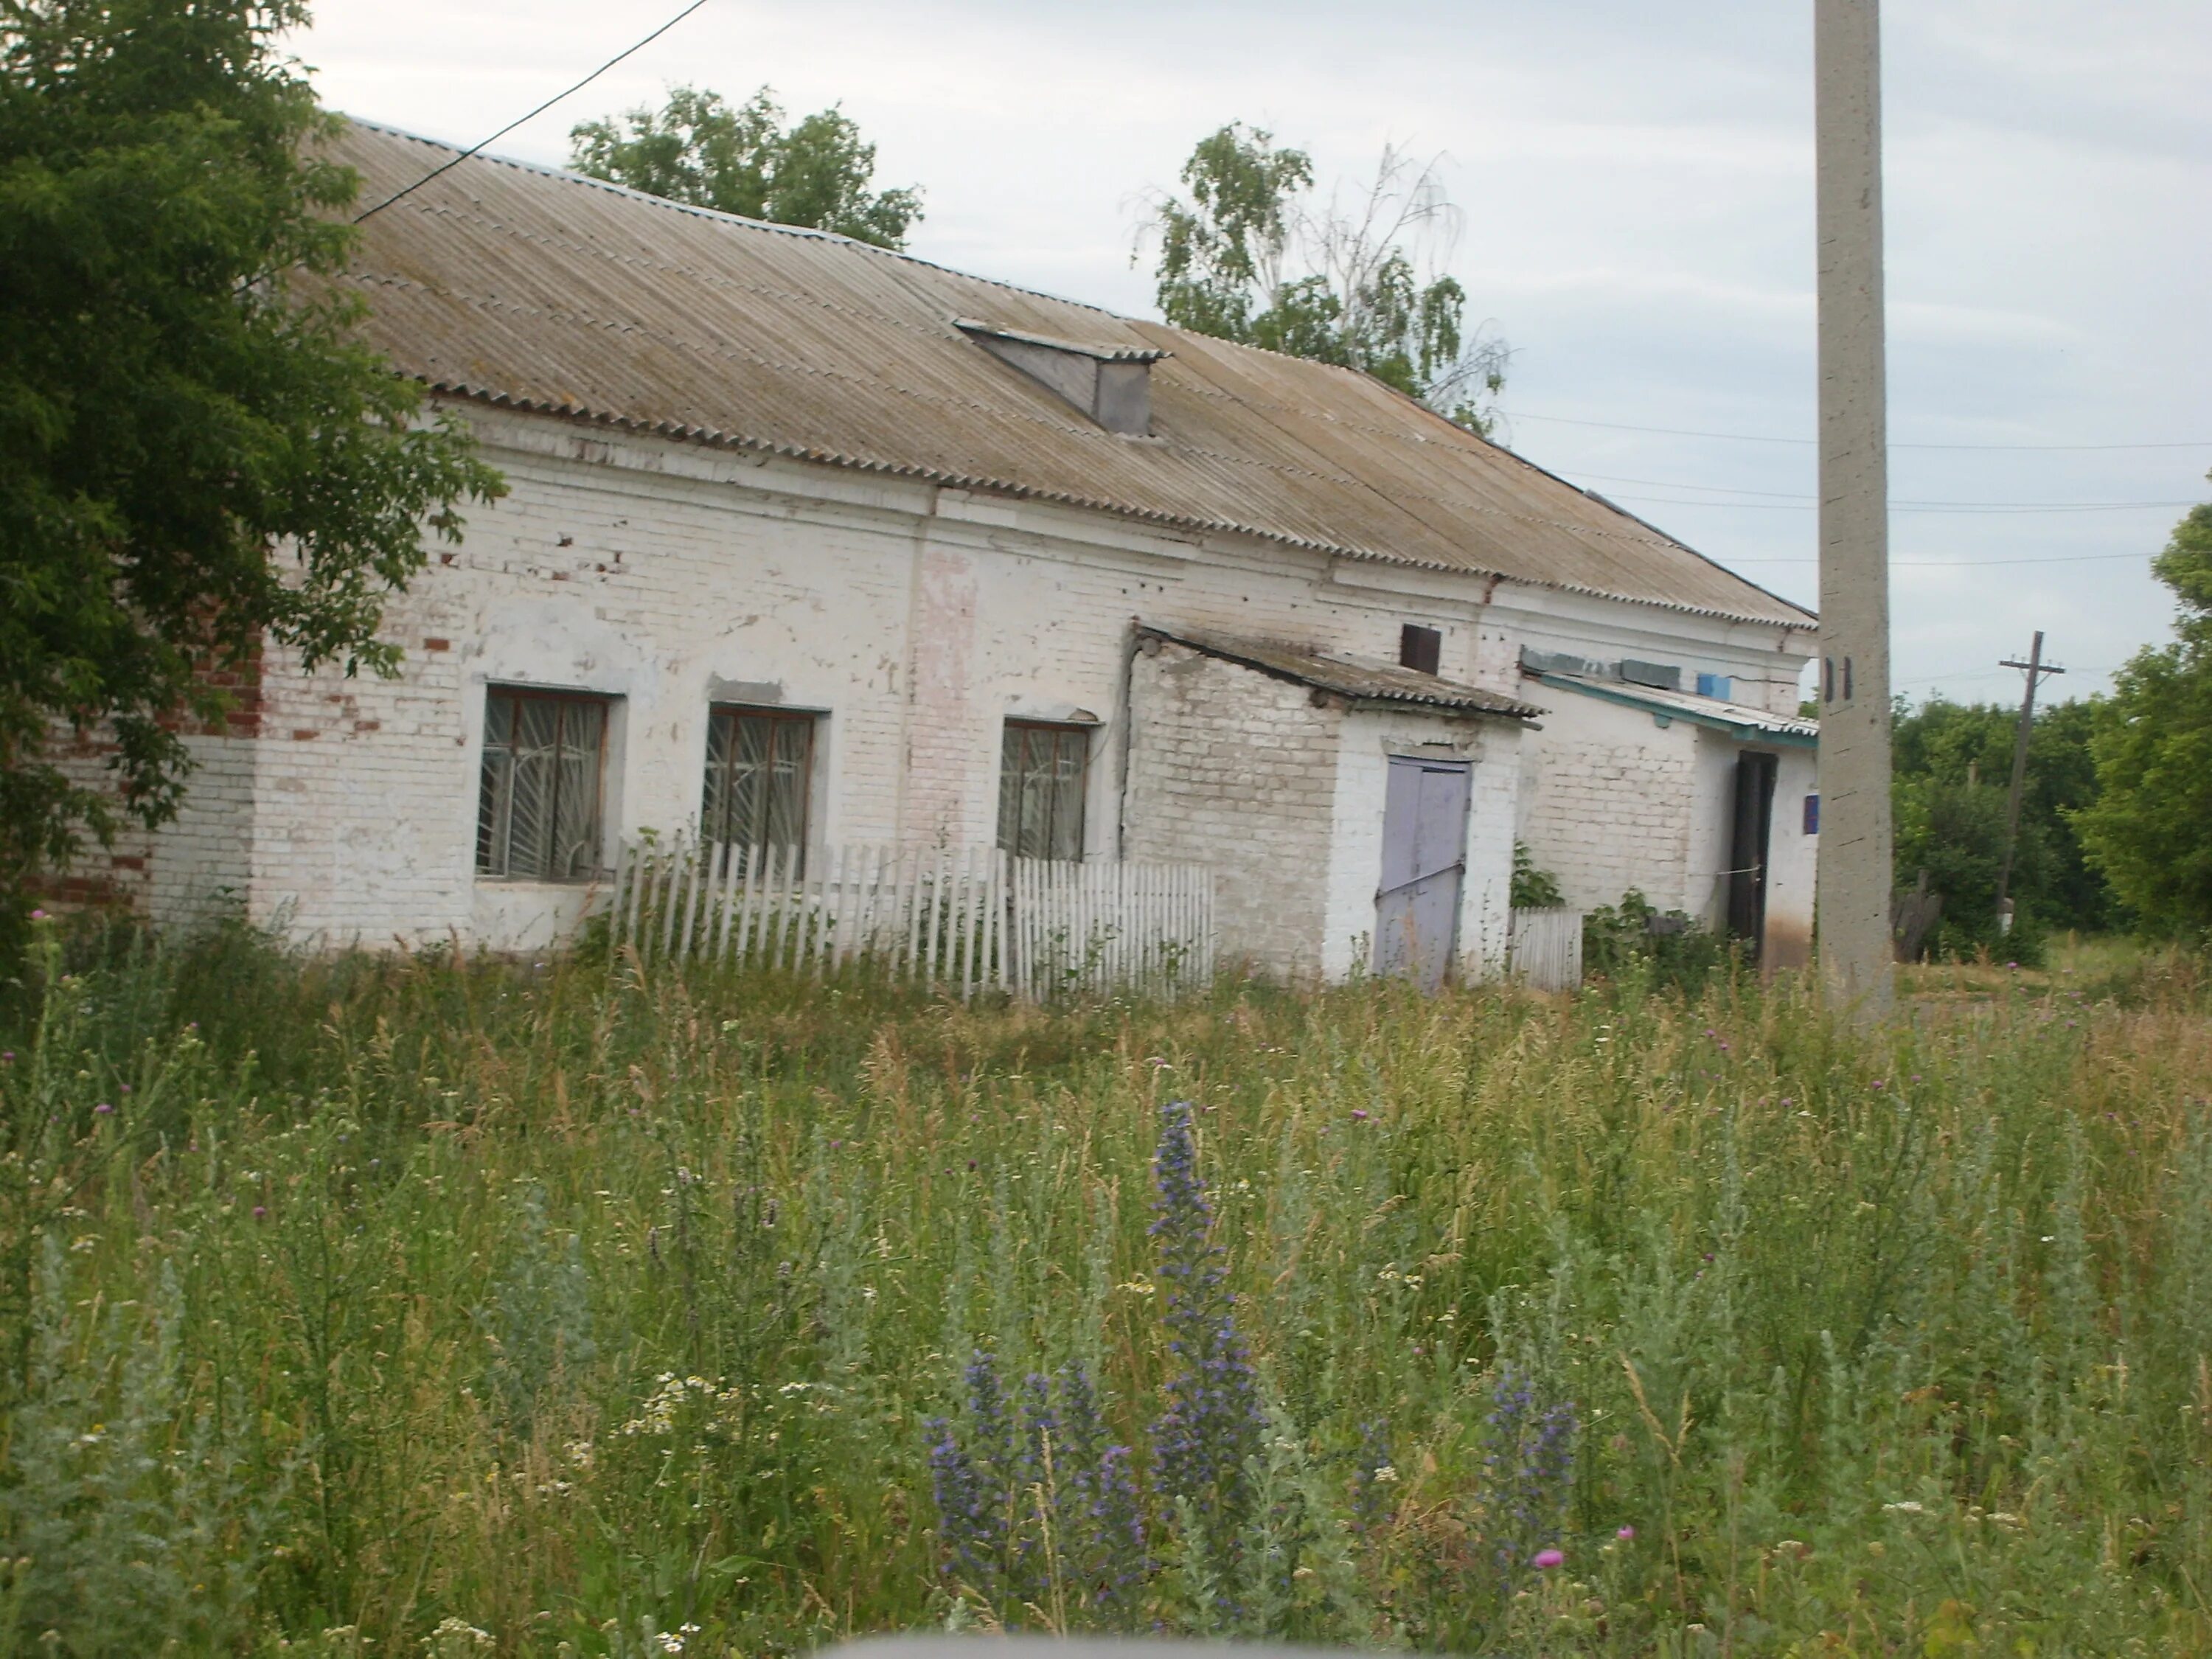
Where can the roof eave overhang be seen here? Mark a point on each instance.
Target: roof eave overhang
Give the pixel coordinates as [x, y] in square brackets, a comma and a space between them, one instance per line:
[719, 438]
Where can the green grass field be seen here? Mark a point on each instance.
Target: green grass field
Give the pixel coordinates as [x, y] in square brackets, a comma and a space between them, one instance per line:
[394, 1306]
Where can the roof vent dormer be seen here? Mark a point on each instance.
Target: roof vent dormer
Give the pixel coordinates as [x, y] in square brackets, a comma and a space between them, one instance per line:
[1110, 385]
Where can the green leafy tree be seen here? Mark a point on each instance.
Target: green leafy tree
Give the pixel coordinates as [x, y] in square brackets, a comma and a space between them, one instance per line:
[1246, 256]
[197, 456]
[1951, 763]
[699, 148]
[2150, 828]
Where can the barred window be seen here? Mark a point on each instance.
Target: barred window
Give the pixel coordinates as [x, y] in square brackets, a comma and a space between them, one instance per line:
[538, 805]
[760, 769]
[1040, 787]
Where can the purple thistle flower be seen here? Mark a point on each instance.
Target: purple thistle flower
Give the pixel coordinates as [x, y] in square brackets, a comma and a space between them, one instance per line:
[1528, 1469]
[985, 1475]
[1545, 1560]
[1100, 1525]
[1211, 1420]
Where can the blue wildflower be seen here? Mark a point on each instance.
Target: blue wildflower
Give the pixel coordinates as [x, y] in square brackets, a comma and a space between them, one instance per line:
[1211, 1421]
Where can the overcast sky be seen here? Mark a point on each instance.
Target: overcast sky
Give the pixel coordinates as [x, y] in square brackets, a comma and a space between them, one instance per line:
[1637, 188]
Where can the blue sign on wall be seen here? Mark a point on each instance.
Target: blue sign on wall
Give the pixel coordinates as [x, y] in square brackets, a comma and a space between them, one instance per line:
[1812, 815]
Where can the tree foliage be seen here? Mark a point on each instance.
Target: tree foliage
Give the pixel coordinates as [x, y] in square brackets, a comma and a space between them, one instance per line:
[2150, 829]
[175, 404]
[698, 148]
[1952, 766]
[1247, 256]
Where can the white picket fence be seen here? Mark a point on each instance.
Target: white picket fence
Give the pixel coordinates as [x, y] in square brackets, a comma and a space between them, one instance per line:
[1096, 926]
[963, 919]
[1544, 948]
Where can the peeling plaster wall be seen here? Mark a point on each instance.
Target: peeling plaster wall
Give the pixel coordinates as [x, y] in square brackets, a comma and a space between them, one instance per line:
[916, 619]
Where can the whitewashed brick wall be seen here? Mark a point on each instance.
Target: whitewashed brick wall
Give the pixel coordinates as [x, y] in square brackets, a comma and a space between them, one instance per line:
[917, 620]
[1238, 770]
[1608, 798]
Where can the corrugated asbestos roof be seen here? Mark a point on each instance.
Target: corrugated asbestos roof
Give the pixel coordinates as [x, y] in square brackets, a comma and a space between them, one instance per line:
[1738, 720]
[1361, 680]
[540, 290]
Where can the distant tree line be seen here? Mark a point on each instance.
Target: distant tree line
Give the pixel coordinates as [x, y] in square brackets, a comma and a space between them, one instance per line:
[2116, 821]
[1952, 769]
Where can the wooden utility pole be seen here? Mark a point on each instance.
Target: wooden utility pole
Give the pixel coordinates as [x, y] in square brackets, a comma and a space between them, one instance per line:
[2036, 669]
[1853, 872]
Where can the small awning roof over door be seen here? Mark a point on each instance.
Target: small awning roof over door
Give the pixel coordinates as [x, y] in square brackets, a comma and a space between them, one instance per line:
[1361, 680]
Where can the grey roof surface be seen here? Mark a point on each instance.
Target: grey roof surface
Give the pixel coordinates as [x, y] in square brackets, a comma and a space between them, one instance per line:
[539, 290]
[1359, 678]
[1739, 719]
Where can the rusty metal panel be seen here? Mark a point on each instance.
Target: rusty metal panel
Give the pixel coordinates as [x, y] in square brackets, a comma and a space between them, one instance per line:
[536, 289]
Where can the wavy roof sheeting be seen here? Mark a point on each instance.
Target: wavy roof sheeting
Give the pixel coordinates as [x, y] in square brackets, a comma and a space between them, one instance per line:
[528, 287]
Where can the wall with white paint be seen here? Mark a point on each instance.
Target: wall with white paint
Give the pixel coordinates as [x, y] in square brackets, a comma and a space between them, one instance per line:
[915, 619]
[1607, 799]
[1238, 770]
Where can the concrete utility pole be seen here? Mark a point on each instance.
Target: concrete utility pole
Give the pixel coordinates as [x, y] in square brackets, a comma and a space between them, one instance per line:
[1853, 873]
[2036, 669]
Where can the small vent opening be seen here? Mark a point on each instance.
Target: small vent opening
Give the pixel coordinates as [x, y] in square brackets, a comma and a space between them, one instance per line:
[1419, 648]
[1109, 384]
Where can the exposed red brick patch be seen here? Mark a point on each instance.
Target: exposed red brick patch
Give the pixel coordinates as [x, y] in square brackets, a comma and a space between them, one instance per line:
[437, 645]
[368, 725]
[127, 861]
[301, 733]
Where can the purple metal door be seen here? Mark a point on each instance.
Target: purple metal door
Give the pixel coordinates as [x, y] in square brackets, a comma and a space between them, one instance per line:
[1423, 863]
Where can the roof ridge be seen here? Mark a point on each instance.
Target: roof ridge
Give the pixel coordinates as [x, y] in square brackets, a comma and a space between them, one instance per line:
[806, 232]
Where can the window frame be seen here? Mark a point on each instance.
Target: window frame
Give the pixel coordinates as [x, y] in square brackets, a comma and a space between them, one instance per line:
[1009, 838]
[809, 720]
[563, 698]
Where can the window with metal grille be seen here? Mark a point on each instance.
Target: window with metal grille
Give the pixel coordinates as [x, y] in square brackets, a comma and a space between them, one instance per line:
[1041, 784]
[538, 800]
[760, 772]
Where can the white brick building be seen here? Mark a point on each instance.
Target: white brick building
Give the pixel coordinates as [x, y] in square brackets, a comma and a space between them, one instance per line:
[808, 542]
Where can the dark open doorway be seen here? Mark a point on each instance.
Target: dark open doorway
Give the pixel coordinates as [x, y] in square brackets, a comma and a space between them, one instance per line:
[1747, 845]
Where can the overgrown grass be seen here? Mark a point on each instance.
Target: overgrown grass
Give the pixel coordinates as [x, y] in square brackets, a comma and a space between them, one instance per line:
[374, 1303]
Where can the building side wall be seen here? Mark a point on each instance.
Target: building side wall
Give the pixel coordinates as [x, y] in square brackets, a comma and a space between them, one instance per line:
[1236, 769]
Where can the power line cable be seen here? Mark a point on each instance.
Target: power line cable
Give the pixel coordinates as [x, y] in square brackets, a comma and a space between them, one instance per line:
[626, 51]
[1761, 438]
[1967, 564]
[1967, 509]
[1800, 496]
